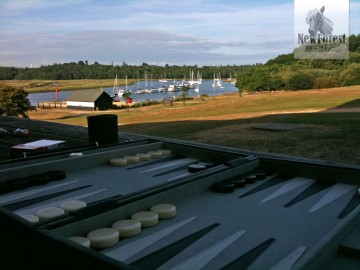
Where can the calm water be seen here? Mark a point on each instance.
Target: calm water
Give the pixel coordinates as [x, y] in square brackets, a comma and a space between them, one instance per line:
[205, 88]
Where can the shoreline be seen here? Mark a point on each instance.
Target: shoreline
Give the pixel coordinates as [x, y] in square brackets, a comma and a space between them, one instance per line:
[206, 89]
[43, 86]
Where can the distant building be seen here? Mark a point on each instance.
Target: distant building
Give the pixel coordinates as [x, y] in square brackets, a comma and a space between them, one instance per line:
[93, 99]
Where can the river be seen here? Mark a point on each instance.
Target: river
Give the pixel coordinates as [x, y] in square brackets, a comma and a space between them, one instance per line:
[204, 88]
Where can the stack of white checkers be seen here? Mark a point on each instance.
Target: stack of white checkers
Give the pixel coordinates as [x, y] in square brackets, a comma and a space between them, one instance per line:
[131, 159]
[54, 211]
[107, 237]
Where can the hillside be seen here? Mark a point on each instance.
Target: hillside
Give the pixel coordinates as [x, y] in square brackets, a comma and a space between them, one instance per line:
[326, 122]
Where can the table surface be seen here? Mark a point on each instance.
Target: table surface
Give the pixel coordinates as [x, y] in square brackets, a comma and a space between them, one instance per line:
[224, 229]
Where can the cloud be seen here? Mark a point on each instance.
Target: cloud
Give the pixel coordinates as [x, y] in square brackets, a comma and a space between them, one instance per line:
[199, 32]
[133, 47]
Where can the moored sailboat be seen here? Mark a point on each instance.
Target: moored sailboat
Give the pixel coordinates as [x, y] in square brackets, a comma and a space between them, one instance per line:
[217, 81]
[119, 91]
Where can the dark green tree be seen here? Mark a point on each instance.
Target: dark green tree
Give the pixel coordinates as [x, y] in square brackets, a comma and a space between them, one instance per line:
[351, 75]
[184, 93]
[354, 43]
[244, 80]
[14, 101]
[8, 73]
[282, 59]
[300, 81]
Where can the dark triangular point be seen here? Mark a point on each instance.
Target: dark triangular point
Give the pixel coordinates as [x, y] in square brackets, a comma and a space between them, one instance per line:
[311, 190]
[157, 258]
[353, 203]
[272, 182]
[245, 260]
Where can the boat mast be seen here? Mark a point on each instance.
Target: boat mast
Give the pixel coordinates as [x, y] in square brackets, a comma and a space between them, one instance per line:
[115, 85]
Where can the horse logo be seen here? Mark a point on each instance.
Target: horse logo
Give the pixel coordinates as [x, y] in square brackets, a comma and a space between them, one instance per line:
[318, 22]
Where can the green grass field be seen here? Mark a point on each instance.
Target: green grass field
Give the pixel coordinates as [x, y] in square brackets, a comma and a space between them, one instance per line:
[328, 122]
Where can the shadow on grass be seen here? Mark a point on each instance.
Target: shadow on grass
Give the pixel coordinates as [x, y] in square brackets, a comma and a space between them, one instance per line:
[351, 104]
[349, 121]
[73, 116]
[331, 136]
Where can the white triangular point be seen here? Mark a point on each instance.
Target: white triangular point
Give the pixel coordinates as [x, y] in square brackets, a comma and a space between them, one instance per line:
[335, 192]
[19, 195]
[289, 186]
[288, 262]
[178, 177]
[171, 163]
[204, 257]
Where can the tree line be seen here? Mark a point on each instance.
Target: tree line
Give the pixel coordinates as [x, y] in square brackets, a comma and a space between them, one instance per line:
[287, 73]
[83, 70]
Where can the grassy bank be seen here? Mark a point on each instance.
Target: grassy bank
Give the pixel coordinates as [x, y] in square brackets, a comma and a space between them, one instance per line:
[37, 86]
[327, 122]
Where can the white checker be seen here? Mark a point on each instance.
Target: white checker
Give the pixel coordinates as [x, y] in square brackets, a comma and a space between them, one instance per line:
[73, 205]
[147, 218]
[103, 237]
[49, 212]
[165, 152]
[155, 154]
[144, 156]
[84, 241]
[118, 161]
[164, 210]
[127, 227]
[30, 218]
[132, 159]
[124, 252]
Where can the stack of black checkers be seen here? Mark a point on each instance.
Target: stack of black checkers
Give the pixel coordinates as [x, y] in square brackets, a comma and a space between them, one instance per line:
[223, 187]
[261, 175]
[44, 178]
[250, 179]
[33, 180]
[238, 182]
[229, 185]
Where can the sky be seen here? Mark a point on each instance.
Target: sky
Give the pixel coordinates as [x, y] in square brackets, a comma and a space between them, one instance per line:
[156, 32]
